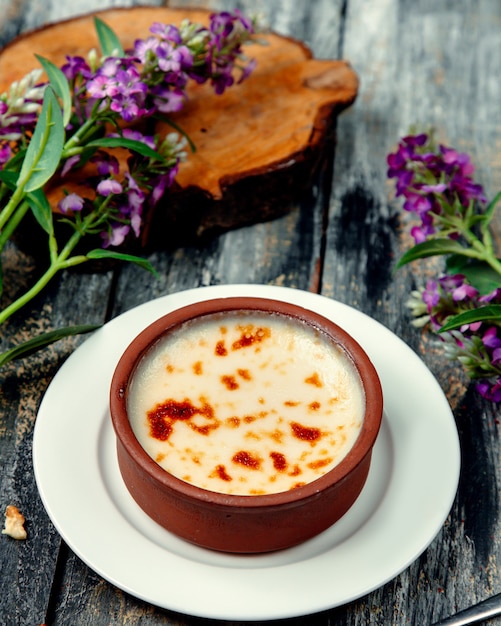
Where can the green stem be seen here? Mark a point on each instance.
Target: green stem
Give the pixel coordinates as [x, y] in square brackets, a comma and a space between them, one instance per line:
[76, 139]
[479, 250]
[11, 206]
[58, 262]
[30, 294]
[11, 226]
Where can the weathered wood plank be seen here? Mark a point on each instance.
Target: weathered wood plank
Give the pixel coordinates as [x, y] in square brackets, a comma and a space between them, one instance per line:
[411, 74]
[27, 568]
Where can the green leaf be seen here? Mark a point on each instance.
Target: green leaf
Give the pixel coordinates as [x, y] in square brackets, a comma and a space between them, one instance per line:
[59, 83]
[44, 152]
[432, 247]
[9, 178]
[41, 209]
[37, 343]
[478, 273]
[490, 312]
[491, 207]
[101, 253]
[110, 44]
[121, 142]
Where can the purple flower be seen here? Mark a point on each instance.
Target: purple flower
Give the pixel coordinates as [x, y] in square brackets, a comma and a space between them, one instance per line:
[144, 48]
[116, 235]
[5, 154]
[117, 86]
[159, 188]
[244, 21]
[102, 86]
[496, 294]
[69, 164]
[74, 67]
[416, 203]
[72, 203]
[169, 100]
[490, 389]
[247, 71]
[222, 24]
[130, 133]
[167, 32]
[108, 187]
[222, 81]
[107, 164]
[464, 292]
[431, 295]
[491, 339]
[436, 185]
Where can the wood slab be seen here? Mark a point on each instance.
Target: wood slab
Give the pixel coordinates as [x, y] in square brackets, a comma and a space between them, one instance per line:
[257, 146]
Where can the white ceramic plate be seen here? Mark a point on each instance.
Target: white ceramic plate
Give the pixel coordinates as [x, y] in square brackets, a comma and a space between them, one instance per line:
[408, 495]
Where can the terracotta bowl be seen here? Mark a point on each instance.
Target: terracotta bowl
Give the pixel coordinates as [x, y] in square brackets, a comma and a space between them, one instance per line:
[243, 523]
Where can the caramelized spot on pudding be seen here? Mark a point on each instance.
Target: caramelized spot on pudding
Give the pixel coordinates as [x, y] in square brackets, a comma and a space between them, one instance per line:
[169, 368]
[296, 485]
[247, 459]
[248, 419]
[314, 406]
[220, 349]
[159, 428]
[279, 461]
[233, 422]
[229, 382]
[220, 472]
[205, 429]
[291, 403]
[164, 415]
[277, 435]
[296, 471]
[197, 368]
[319, 463]
[305, 433]
[245, 374]
[314, 379]
[251, 336]
[252, 435]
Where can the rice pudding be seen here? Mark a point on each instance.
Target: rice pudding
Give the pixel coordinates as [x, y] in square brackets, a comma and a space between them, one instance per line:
[246, 402]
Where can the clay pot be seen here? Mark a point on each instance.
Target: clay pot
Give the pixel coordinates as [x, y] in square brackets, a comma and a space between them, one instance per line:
[243, 523]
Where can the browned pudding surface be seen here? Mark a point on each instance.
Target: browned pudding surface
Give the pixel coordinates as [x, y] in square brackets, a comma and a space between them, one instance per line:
[246, 403]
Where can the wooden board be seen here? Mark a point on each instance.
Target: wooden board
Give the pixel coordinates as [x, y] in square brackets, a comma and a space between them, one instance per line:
[258, 145]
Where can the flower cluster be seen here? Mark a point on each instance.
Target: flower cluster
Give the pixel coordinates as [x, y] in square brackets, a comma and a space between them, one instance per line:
[147, 81]
[476, 345]
[19, 109]
[437, 185]
[463, 305]
[88, 133]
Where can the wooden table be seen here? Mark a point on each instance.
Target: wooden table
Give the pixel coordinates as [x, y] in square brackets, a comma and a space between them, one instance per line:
[422, 63]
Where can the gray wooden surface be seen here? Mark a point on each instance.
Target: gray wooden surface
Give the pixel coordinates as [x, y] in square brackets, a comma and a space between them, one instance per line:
[420, 62]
